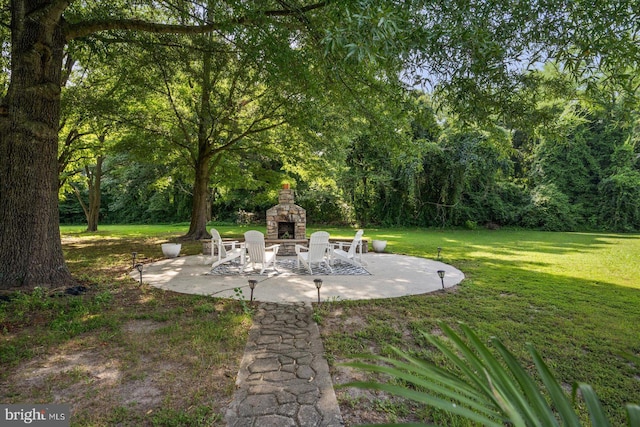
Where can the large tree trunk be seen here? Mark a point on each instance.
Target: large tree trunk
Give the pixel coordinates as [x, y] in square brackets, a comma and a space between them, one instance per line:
[30, 247]
[92, 209]
[200, 209]
[198, 226]
[95, 181]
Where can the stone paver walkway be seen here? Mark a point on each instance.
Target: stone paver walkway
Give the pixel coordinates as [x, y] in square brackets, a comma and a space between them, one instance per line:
[284, 378]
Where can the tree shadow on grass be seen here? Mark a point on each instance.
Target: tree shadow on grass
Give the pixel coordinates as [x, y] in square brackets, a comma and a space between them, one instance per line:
[581, 327]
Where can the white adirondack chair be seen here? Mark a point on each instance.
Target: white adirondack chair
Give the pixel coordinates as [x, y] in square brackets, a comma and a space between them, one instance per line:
[353, 255]
[226, 251]
[318, 252]
[258, 253]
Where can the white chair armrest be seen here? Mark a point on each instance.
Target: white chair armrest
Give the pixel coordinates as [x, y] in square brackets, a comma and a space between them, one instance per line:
[299, 248]
[232, 244]
[339, 245]
[273, 248]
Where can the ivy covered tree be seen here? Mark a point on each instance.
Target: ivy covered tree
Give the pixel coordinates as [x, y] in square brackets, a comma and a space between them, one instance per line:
[581, 145]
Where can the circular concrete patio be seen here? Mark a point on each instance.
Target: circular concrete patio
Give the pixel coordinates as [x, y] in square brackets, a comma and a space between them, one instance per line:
[390, 276]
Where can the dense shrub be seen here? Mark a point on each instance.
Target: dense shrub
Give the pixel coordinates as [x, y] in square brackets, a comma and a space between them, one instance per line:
[324, 206]
[620, 194]
[550, 209]
[503, 205]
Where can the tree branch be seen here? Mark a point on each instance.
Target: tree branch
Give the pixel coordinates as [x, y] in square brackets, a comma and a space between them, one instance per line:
[50, 13]
[82, 204]
[86, 28]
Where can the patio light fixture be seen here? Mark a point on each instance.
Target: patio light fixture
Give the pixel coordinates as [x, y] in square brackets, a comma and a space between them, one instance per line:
[318, 283]
[133, 259]
[439, 250]
[252, 285]
[139, 267]
[441, 274]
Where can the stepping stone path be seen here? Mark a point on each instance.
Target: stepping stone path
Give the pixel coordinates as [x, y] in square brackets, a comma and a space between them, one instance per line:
[284, 378]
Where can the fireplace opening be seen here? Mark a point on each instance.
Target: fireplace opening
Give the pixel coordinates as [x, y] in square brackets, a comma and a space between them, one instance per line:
[286, 230]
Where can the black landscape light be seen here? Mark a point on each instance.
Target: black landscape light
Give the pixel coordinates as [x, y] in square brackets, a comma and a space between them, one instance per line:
[318, 283]
[439, 250]
[133, 259]
[252, 285]
[139, 267]
[441, 274]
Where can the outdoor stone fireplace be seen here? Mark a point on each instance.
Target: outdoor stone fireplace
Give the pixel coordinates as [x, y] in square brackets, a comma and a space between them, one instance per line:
[286, 223]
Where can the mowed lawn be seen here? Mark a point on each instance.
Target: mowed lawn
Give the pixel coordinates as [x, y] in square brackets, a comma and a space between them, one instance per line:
[575, 296]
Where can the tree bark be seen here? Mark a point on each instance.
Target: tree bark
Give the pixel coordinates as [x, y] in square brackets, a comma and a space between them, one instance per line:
[30, 246]
[94, 180]
[199, 209]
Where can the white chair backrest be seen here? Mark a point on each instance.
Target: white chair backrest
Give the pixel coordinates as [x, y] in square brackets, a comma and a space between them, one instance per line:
[357, 241]
[254, 241]
[216, 241]
[318, 245]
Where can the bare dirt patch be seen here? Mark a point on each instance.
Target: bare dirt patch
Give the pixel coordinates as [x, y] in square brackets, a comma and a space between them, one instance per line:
[169, 364]
[141, 326]
[96, 381]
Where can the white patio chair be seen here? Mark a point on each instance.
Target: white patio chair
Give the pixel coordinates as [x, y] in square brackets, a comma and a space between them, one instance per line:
[317, 252]
[353, 255]
[258, 253]
[226, 251]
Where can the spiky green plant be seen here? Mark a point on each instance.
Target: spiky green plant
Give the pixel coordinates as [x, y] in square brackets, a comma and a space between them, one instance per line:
[489, 389]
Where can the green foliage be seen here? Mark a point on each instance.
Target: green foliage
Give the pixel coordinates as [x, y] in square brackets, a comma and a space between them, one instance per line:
[487, 387]
[325, 206]
[246, 306]
[144, 192]
[466, 161]
[566, 159]
[358, 150]
[620, 195]
[501, 204]
[620, 192]
[550, 210]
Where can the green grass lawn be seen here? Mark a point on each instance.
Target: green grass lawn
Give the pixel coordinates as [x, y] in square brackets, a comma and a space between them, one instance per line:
[575, 296]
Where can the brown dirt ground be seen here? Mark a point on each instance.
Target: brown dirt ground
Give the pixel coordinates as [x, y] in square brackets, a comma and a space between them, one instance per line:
[122, 378]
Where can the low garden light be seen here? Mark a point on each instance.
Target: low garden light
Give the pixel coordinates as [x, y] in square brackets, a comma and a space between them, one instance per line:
[139, 267]
[133, 259]
[439, 250]
[252, 285]
[441, 275]
[318, 283]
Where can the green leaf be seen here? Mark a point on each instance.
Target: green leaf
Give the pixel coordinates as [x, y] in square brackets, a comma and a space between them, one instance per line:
[539, 409]
[432, 378]
[428, 399]
[596, 413]
[471, 372]
[510, 396]
[558, 397]
[633, 415]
